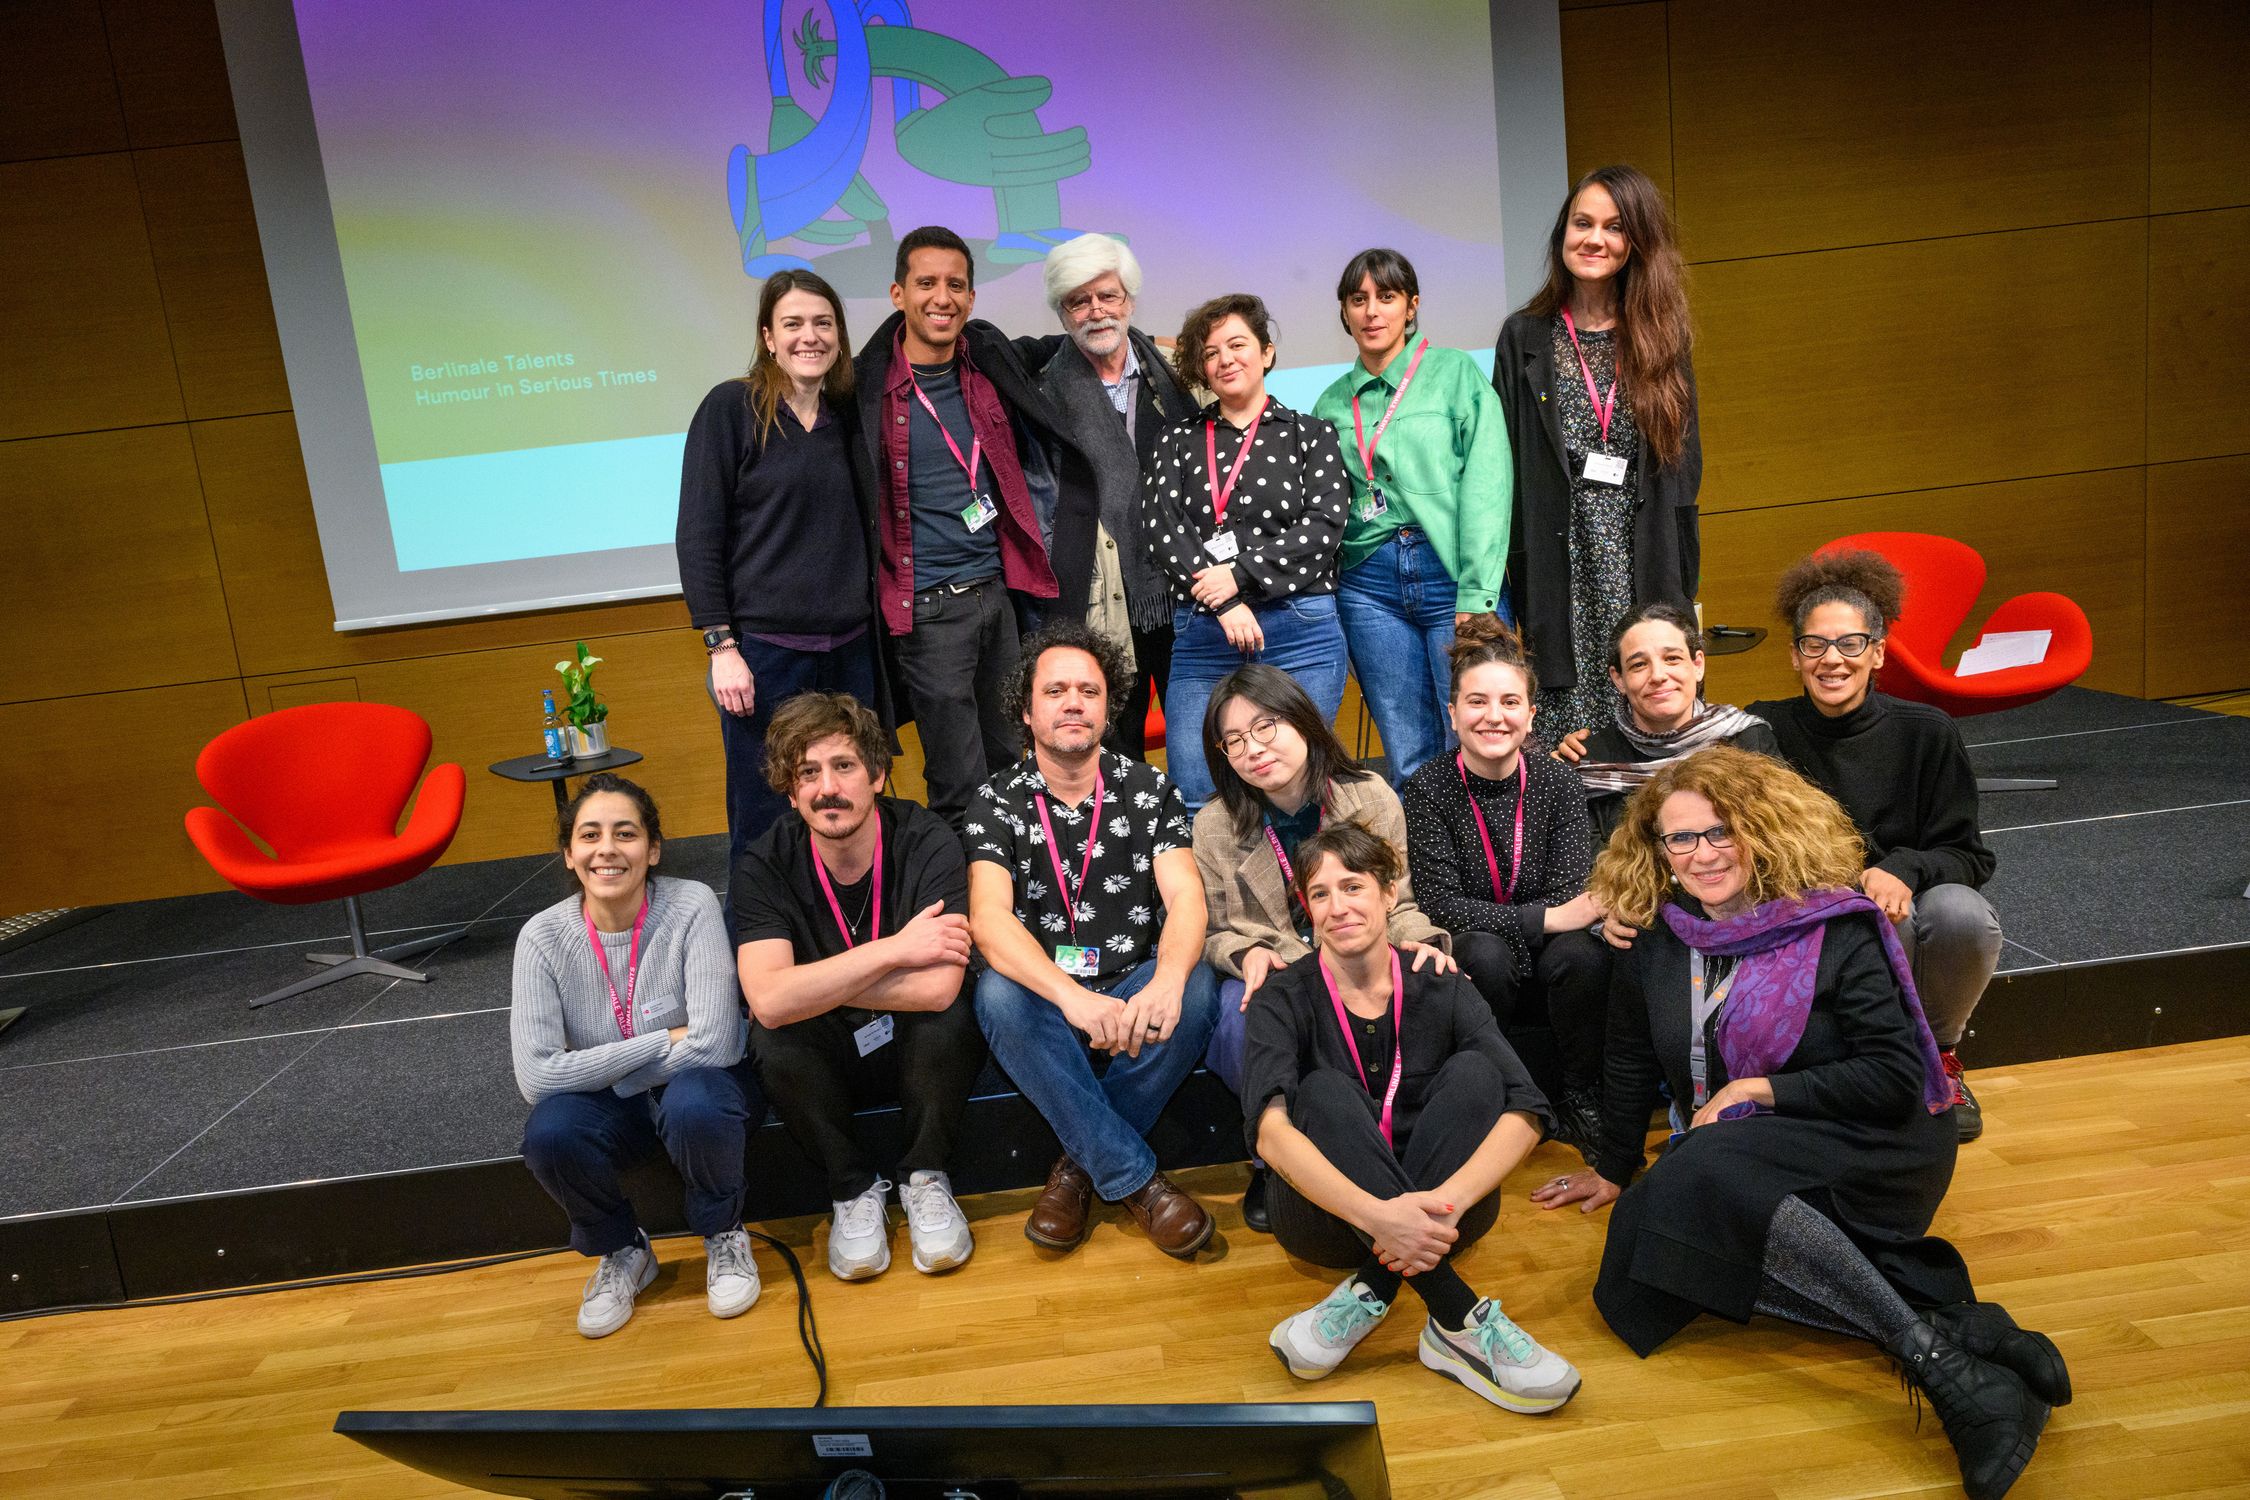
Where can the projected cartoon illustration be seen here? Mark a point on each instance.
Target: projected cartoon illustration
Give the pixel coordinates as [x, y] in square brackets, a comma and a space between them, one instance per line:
[809, 186]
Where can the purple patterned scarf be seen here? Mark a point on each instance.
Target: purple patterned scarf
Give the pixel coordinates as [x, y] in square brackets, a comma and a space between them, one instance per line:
[1779, 945]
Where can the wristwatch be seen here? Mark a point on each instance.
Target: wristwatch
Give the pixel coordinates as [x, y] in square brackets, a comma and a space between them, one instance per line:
[716, 637]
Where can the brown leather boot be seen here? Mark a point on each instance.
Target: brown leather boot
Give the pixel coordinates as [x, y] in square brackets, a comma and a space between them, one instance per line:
[1175, 1223]
[1058, 1219]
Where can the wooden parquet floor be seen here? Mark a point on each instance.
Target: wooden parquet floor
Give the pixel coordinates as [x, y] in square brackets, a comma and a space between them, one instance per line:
[2108, 1204]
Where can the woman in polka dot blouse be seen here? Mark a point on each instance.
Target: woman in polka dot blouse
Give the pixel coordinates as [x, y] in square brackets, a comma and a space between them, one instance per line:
[1244, 507]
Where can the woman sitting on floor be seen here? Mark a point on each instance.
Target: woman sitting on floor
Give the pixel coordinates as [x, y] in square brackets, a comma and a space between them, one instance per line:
[1811, 1144]
[1390, 1108]
[628, 1034]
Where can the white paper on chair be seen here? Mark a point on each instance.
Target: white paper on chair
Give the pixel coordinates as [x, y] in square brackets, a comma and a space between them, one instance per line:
[2003, 649]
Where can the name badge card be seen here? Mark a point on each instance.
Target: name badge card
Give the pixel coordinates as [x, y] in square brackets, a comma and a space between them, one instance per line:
[1223, 547]
[1371, 504]
[979, 513]
[1078, 963]
[1605, 468]
[874, 1034]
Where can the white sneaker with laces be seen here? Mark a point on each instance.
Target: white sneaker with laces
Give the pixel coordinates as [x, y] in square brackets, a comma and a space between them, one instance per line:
[1500, 1362]
[730, 1276]
[935, 1223]
[859, 1235]
[607, 1303]
[1314, 1342]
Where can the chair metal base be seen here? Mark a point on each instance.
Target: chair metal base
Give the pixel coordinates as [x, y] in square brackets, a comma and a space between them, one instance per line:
[2016, 783]
[362, 959]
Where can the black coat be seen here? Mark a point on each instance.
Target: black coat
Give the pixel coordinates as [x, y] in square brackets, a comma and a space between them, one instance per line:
[1667, 547]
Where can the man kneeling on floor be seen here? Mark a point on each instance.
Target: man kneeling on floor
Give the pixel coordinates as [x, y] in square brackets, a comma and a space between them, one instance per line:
[853, 945]
[1085, 901]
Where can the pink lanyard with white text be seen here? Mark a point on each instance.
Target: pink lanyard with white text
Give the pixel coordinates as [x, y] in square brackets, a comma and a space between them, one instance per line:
[1288, 871]
[1602, 412]
[976, 443]
[874, 895]
[1367, 448]
[1063, 887]
[1398, 1038]
[1501, 894]
[622, 1009]
[1220, 495]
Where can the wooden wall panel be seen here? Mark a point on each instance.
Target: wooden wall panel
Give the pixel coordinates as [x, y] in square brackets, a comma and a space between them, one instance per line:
[204, 239]
[1903, 367]
[82, 337]
[2198, 575]
[2199, 146]
[2198, 334]
[56, 94]
[277, 587]
[116, 775]
[2078, 534]
[1801, 127]
[1617, 92]
[171, 71]
[112, 584]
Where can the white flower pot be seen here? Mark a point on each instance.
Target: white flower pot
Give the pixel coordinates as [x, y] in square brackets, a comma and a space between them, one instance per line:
[591, 741]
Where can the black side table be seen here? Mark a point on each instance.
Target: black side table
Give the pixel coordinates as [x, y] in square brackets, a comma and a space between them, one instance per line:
[557, 774]
[1718, 640]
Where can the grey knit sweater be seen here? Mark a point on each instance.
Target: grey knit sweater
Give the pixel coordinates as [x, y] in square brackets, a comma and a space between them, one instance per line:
[562, 1029]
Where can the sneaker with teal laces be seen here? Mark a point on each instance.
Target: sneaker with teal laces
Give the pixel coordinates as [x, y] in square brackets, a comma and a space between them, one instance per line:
[1314, 1342]
[1500, 1362]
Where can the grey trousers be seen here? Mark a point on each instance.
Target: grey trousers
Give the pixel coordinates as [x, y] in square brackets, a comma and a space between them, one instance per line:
[1952, 940]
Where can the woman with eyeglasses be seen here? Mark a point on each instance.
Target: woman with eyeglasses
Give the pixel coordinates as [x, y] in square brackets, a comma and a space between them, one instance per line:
[1281, 776]
[1901, 771]
[1811, 1145]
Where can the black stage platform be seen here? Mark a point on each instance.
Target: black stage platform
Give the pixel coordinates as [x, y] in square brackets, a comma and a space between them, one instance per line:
[161, 1137]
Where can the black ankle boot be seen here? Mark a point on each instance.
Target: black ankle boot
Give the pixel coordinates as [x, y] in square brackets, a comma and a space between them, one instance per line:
[1986, 1330]
[1578, 1120]
[1992, 1419]
[1254, 1202]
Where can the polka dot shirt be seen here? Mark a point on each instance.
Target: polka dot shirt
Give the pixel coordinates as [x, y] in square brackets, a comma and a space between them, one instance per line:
[1286, 512]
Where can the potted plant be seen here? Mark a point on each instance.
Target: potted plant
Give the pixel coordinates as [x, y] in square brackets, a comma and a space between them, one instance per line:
[588, 715]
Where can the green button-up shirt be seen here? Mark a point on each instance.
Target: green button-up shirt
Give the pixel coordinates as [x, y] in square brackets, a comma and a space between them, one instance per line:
[1443, 466]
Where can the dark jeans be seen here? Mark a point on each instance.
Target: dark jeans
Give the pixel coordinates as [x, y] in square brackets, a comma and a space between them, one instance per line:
[577, 1144]
[1339, 1116]
[815, 1076]
[1152, 658]
[777, 675]
[955, 666]
[1569, 977]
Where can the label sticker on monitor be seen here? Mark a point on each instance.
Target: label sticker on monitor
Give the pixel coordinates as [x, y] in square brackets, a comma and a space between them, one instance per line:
[842, 1445]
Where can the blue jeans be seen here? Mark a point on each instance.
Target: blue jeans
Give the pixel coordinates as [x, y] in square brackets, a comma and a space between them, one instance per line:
[1100, 1119]
[777, 675]
[1397, 609]
[577, 1144]
[1302, 638]
[1224, 1056]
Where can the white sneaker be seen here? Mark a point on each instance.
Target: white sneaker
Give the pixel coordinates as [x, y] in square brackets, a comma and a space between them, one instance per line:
[607, 1303]
[1314, 1342]
[1500, 1362]
[859, 1236]
[730, 1276]
[935, 1223]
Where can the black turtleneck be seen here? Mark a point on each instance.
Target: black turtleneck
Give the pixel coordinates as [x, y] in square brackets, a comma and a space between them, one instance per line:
[1902, 773]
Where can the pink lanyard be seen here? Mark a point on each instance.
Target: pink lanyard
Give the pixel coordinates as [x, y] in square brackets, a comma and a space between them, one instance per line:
[874, 895]
[976, 443]
[1602, 412]
[1288, 871]
[1220, 495]
[1063, 886]
[1491, 862]
[1359, 435]
[622, 1009]
[1398, 1038]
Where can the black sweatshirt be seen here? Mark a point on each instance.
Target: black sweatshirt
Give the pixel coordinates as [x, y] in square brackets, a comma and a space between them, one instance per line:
[1902, 773]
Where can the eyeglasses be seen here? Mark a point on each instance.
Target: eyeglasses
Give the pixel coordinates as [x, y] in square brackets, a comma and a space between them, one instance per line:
[1077, 303]
[1683, 842]
[1262, 730]
[1850, 647]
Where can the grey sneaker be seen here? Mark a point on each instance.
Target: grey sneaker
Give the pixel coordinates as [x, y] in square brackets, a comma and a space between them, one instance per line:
[730, 1276]
[1500, 1362]
[607, 1303]
[935, 1223]
[1314, 1342]
[859, 1236]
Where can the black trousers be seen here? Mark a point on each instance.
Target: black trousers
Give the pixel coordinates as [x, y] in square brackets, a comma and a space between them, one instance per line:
[815, 1079]
[956, 665]
[1569, 978]
[1152, 657]
[1462, 1105]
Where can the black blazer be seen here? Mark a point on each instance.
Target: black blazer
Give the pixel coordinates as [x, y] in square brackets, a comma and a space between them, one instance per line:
[1667, 547]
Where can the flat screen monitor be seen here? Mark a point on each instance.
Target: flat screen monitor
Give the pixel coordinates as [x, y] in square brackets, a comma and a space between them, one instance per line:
[1326, 1450]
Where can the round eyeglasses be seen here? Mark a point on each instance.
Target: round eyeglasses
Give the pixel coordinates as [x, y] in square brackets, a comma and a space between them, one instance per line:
[1261, 729]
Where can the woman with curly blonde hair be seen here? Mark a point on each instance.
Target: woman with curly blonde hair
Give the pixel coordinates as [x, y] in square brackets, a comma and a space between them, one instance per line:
[1811, 1144]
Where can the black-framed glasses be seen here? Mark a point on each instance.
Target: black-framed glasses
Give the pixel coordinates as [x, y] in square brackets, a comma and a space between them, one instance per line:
[1850, 647]
[1262, 729]
[1683, 843]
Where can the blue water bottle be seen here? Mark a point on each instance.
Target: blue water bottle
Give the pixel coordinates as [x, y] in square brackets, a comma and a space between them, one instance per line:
[558, 743]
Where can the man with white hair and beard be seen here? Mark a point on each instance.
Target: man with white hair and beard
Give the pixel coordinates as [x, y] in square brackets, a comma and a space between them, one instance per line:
[1113, 400]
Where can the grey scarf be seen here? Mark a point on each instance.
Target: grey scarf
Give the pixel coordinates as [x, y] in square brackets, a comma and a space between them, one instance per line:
[1070, 382]
[1713, 724]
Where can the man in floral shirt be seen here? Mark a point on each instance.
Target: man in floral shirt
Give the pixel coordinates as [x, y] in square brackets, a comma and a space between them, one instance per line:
[1085, 902]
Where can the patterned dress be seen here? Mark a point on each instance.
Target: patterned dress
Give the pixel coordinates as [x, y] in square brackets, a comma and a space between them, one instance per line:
[1601, 534]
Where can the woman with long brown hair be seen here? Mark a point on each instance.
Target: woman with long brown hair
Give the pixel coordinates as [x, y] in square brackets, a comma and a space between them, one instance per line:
[1594, 376]
[776, 534]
